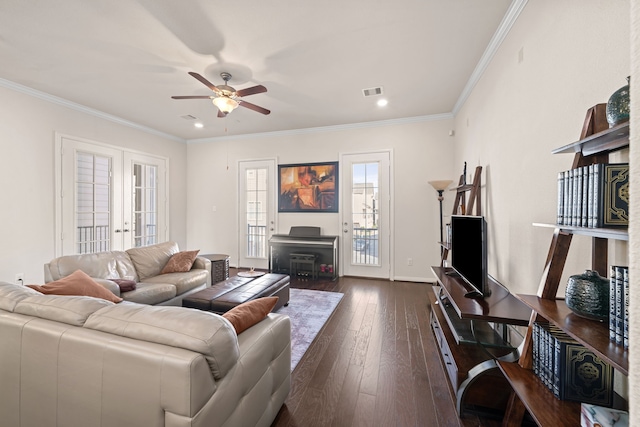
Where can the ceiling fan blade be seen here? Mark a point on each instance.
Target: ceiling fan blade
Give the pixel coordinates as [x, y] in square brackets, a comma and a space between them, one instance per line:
[254, 107]
[205, 82]
[193, 97]
[221, 114]
[251, 90]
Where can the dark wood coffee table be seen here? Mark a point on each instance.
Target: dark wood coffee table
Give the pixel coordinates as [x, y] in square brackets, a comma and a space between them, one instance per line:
[222, 297]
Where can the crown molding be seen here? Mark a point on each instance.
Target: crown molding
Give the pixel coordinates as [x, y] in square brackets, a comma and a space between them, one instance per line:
[507, 22]
[322, 129]
[86, 110]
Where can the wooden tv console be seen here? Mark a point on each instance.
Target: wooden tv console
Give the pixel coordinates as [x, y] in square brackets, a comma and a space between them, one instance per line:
[471, 333]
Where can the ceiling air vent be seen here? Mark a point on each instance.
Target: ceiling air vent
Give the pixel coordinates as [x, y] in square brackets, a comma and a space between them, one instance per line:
[188, 117]
[372, 91]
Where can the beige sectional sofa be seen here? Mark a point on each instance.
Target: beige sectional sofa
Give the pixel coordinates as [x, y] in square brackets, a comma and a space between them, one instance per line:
[83, 361]
[143, 265]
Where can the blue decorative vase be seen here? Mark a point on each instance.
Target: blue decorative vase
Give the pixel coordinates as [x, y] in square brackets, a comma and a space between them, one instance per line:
[618, 105]
[587, 295]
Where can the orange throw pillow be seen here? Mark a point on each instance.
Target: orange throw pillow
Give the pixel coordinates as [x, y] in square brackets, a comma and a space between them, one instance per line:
[247, 314]
[77, 283]
[180, 262]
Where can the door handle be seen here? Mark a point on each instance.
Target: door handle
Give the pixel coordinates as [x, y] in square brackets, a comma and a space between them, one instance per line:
[126, 230]
[117, 231]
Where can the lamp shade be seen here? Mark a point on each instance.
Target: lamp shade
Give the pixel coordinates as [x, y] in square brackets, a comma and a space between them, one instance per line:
[225, 104]
[440, 185]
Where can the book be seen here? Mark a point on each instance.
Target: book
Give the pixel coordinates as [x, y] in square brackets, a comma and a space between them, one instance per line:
[625, 311]
[619, 313]
[585, 196]
[594, 415]
[587, 378]
[560, 218]
[577, 197]
[612, 182]
[591, 217]
[612, 303]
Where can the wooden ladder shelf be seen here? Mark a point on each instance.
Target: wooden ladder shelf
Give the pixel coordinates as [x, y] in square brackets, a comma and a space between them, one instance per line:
[459, 204]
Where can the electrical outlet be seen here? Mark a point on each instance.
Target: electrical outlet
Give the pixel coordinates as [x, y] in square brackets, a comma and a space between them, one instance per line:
[409, 261]
[19, 279]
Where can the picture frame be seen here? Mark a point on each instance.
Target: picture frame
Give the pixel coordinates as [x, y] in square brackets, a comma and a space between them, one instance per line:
[308, 187]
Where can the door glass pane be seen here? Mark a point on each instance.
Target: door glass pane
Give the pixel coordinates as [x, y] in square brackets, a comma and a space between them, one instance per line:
[365, 214]
[92, 206]
[145, 205]
[256, 213]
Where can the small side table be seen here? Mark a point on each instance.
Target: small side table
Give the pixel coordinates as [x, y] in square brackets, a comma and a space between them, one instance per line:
[219, 267]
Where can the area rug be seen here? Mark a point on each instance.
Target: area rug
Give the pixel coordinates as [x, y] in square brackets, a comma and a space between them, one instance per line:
[308, 311]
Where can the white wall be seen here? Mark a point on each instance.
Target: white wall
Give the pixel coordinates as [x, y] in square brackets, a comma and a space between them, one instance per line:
[422, 151]
[27, 131]
[634, 228]
[575, 54]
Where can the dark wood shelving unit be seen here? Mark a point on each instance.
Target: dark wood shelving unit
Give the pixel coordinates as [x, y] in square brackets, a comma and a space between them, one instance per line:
[529, 394]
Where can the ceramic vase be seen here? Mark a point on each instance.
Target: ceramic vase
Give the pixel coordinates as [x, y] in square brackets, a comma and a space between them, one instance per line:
[618, 105]
[587, 295]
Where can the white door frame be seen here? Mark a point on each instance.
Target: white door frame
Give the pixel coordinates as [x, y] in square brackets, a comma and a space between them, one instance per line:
[63, 175]
[387, 271]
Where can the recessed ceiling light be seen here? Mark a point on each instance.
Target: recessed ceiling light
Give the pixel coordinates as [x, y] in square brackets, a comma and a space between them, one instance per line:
[382, 102]
[198, 125]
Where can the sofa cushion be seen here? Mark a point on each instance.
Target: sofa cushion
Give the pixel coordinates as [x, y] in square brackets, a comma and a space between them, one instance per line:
[150, 293]
[103, 265]
[180, 262]
[247, 314]
[195, 330]
[72, 310]
[149, 260]
[10, 295]
[183, 282]
[77, 283]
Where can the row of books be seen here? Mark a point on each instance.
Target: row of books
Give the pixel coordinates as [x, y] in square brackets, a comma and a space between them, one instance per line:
[569, 369]
[594, 196]
[619, 305]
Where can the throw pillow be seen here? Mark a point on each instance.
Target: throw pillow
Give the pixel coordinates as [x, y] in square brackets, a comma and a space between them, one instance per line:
[247, 314]
[125, 285]
[77, 283]
[180, 262]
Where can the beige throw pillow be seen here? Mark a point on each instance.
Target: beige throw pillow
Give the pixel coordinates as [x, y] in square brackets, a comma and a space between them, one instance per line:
[180, 262]
[247, 314]
[77, 283]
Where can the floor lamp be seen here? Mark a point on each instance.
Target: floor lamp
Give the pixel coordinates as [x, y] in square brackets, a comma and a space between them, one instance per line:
[440, 186]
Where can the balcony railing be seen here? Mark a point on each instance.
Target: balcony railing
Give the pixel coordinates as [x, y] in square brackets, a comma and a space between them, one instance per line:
[365, 246]
[256, 241]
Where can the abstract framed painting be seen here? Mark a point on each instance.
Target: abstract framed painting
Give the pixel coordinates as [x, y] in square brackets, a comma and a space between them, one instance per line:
[308, 187]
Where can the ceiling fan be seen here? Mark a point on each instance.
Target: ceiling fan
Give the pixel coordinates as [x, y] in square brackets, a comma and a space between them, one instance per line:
[225, 97]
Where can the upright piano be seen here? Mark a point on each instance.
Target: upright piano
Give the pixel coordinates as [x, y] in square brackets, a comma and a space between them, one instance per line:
[304, 239]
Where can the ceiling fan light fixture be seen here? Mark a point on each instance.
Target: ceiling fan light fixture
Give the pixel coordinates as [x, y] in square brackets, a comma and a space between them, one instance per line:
[225, 104]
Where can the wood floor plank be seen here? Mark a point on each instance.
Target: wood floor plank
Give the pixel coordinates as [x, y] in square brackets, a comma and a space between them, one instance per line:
[374, 363]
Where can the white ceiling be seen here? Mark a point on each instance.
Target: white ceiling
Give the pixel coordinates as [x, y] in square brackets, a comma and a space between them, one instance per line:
[127, 58]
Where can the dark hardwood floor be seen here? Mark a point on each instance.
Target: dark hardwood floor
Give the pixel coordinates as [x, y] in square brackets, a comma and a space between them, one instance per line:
[374, 363]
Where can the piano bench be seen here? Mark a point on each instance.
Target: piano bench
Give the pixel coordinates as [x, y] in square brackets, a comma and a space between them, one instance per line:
[298, 261]
[222, 297]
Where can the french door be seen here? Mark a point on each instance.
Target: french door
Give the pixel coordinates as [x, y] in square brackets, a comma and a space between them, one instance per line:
[107, 198]
[366, 221]
[256, 209]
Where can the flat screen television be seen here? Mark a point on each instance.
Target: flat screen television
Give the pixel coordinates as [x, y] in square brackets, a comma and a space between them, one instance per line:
[469, 252]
